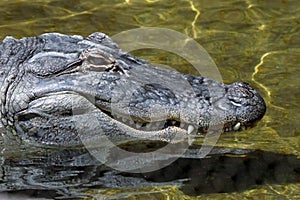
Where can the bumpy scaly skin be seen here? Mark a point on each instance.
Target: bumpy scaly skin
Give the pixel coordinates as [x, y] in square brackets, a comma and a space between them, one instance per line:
[59, 90]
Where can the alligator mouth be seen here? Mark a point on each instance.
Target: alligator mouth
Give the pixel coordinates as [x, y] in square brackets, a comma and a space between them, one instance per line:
[150, 125]
[166, 123]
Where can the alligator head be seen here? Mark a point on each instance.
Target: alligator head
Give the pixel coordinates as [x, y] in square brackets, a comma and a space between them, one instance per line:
[57, 88]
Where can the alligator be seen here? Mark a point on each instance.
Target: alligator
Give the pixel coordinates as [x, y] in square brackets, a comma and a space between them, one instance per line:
[57, 89]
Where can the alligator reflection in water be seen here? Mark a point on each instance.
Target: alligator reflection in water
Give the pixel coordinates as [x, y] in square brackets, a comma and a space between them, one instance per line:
[69, 174]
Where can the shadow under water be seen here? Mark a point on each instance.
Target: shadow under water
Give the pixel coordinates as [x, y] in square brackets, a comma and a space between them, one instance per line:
[70, 173]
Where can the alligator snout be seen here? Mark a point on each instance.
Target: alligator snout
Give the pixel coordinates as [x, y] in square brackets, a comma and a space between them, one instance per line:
[248, 105]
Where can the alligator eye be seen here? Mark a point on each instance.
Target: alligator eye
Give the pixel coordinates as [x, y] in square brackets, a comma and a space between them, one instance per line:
[98, 60]
[95, 61]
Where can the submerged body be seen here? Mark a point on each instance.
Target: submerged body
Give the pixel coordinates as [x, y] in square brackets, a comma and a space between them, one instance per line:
[56, 89]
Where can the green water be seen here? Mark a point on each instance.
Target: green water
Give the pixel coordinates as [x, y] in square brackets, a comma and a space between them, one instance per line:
[253, 41]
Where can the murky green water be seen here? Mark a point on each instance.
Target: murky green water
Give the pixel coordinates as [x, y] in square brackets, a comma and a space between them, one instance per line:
[253, 41]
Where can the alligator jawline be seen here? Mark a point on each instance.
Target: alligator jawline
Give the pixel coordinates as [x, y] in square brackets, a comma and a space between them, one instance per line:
[145, 126]
[163, 124]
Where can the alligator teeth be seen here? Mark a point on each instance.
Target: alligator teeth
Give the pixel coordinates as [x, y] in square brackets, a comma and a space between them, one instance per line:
[124, 120]
[181, 125]
[190, 129]
[138, 125]
[190, 140]
[148, 125]
[131, 122]
[158, 124]
[237, 126]
[154, 125]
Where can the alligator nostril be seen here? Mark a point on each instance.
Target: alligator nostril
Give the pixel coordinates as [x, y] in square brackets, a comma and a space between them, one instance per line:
[245, 93]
